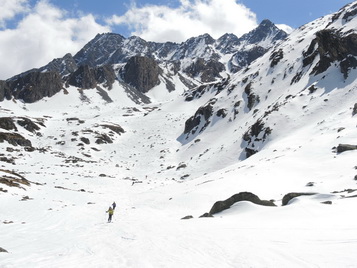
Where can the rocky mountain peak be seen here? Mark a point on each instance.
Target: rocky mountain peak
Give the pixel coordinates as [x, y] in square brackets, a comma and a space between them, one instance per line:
[265, 34]
[201, 59]
[227, 43]
[96, 51]
[63, 66]
[267, 24]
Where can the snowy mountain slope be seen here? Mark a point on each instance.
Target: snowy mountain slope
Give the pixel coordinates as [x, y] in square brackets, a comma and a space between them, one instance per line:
[108, 56]
[279, 82]
[269, 129]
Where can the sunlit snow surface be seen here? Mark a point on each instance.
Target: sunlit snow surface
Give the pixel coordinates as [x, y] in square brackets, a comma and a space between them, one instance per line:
[64, 224]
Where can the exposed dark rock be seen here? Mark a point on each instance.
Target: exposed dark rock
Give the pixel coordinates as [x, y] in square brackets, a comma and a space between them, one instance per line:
[185, 176]
[243, 58]
[227, 43]
[256, 133]
[264, 30]
[35, 85]
[85, 140]
[96, 52]
[252, 98]
[189, 83]
[312, 89]
[290, 196]
[182, 165]
[354, 111]
[350, 62]
[70, 119]
[141, 73]
[13, 179]
[332, 46]
[60, 143]
[86, 77]
[116, 128]
[7, 123]
[222, 113]
[347, 15]
[349, 191]
[203, 113]
[345, 147]
[28, 124]
[3, 250]
[275, 57]
[243, 196]
[105, 75]
[208, 71]
[206, 215]
[296, 78]
[103, 139]
[26, 198]
[249, 152]
[63, 66]
[187, 217]
[5, 91]
[29, 149]
[7, 160]
[14, 139]
[198, 92]
[351, 196]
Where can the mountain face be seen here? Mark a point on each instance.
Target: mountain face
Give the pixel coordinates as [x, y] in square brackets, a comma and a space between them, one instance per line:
[318, 59]
[243, 88]
[167, 130]
[142, 73]
[143, 65]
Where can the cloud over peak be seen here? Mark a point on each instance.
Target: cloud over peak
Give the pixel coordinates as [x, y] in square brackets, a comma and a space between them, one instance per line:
[191, 18]
[33, 33]
[43, 33]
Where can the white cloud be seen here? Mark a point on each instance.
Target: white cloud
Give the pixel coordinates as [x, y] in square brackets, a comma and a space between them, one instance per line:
[44, 33]
[10, 8]
[285, 28]
[191, 18]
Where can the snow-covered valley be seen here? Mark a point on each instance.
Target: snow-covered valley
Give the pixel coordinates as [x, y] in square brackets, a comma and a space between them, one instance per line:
[63, 223]
[271, 129]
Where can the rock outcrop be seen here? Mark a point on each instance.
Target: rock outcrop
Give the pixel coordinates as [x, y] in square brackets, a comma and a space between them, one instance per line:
[331, 46]
[345, 147]
[219, 206]
[200, 120]
[207, 71]
[15, 139]
[290, 196]
[141, 73]
[86, 77]
[34, 86]
[5, 91]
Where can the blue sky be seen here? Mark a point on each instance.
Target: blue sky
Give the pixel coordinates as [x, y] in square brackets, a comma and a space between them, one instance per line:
[33, 32]
[289, 12]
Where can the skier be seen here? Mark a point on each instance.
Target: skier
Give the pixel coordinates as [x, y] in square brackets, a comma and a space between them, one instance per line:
[111, 212]
[114, 205]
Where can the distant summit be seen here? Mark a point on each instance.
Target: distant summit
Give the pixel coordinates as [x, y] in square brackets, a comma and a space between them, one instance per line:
[111, 57]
